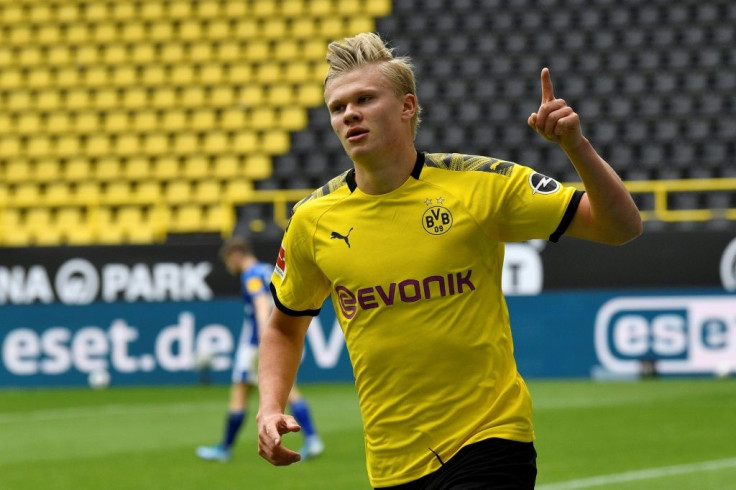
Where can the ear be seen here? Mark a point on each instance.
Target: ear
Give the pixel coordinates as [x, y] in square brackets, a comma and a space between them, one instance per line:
[410, 106]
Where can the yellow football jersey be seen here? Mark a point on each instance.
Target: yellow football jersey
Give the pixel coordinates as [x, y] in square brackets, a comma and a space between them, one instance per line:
[415, 279]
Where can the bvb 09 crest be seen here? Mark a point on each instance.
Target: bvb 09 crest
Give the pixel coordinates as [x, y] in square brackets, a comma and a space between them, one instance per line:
[437, 220]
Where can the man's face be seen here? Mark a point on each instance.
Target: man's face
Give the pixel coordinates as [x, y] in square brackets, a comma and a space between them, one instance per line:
[366, 114]
[233, 262]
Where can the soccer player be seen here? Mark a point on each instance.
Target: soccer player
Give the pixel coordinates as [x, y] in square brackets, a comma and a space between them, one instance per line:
[410, 247]
[254, 279]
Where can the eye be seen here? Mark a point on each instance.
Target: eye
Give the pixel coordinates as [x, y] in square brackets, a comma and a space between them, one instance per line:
[364, 98]
[336, 108]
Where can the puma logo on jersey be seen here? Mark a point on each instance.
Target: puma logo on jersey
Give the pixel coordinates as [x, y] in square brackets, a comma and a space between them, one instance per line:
[335, 234]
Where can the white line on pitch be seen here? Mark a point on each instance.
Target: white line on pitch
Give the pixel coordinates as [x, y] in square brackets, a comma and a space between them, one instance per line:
[648, 474]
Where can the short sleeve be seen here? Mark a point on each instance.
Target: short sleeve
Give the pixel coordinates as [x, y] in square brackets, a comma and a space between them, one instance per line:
[298, 285]
[534, 206]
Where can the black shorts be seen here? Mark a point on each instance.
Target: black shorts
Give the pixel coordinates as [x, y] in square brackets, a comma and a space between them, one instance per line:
[490, 464]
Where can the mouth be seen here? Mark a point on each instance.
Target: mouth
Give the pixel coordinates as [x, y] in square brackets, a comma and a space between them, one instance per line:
[355, 134]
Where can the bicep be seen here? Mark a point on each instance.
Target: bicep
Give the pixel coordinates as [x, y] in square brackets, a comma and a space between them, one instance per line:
[583, 223]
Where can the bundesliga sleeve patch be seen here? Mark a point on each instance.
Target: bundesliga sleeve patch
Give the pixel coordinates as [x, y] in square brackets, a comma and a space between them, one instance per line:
[541, 184]
[280, 268]
[254, 285]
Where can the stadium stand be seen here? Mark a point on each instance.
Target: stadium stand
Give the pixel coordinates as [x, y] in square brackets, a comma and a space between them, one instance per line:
[131, 122]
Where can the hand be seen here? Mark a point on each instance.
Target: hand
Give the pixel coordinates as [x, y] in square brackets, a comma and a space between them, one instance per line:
[554, 119]
[270, 430]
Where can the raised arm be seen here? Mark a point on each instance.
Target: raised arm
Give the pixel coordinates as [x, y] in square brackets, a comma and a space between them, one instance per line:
[279, 355]
[606, 213]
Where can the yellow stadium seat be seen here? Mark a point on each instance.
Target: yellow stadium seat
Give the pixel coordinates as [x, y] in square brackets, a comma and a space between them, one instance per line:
[39, 77]
[166, 167]
[47, 169]
[148, 191]
[86, 122]
[192, 96]
[161, 31]
[201, 51]
[297, 71]
[154, 75]
[137, 168]
[281, 95]
[13, 232]
[11, 78]
[117, 192]
[358, 24]
[106, 32]
[310, 95]
[215, 142]
[314, 49]
[258, 166]
[114, 54]
[134, 98]
[190, 30]
[58, 193]
[233, 119]
[293, 118]
[97, 12]
[39, 14]
[208, 9]
[217, 30]
[172, 52]
[17, 170]
[378, 8]
[39, 145]
[257, 50]
[19, 100]
[228, 51]
[203, 119]
[275, 142]
[331, 27]
[263, 118]
[270, 72]
[293, 8]
[27, 193]
[155, 143]
[106, 98]
[187, 218]
[185, 143]
[88, 192]
[244, 142]
[28, 123]
[178, 191]
[108, 168]
[115, 121]
[348, 7]
[143, 53]
[246, 29]
[68, 145]
[251, 95]
[21, 34]
[208, 191]
[68, 221]
[180, 9]
[240, 73]
[3, 195]
[195, 167]
[273, 28]
[144, 120]
[222, 96]
[77, 168]
[226, 166]
[58, 54]
[238, 190]
[128, 144]
[218, 218]
[9, 146]
[164, 98]
[320, 8]
[7, 123]
[78, 99]
[152, 10]
[68, 77]
[264, 9]
[174, 120]
[304, 28]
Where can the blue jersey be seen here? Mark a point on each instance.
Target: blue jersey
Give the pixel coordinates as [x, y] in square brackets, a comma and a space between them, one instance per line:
[254, 282]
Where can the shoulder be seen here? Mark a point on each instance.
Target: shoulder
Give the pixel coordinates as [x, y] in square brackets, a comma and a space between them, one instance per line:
[459, 162]
[327, 194]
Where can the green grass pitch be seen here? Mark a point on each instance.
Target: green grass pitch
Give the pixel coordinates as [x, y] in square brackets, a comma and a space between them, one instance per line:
[660, 434]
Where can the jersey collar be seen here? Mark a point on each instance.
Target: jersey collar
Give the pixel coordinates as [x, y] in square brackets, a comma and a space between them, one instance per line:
[415, 172]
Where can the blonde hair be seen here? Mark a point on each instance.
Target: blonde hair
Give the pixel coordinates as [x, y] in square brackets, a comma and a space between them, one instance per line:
[368, 48]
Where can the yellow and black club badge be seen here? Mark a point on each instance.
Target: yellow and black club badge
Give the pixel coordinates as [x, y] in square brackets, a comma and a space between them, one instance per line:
[437, 219]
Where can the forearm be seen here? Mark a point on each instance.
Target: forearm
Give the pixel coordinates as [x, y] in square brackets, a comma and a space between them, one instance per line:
[280, 354]
[614, 217]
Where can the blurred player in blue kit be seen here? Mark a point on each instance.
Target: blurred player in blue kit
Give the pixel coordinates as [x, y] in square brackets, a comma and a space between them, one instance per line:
[254, 279]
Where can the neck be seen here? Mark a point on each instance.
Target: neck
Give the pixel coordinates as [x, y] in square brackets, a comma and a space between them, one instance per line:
[383, 175]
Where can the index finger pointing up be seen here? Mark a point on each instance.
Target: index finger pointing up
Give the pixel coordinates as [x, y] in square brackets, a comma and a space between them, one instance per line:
[547, 90]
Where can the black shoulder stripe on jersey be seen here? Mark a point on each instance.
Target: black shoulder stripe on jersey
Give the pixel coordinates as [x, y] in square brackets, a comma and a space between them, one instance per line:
[287, 310]
[461, 162]
[572, 207]
[347, 177]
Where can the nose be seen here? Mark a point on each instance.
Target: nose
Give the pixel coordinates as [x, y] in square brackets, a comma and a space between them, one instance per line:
[351, 113]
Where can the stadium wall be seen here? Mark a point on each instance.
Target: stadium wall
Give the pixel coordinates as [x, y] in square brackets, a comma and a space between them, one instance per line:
[172, 314]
